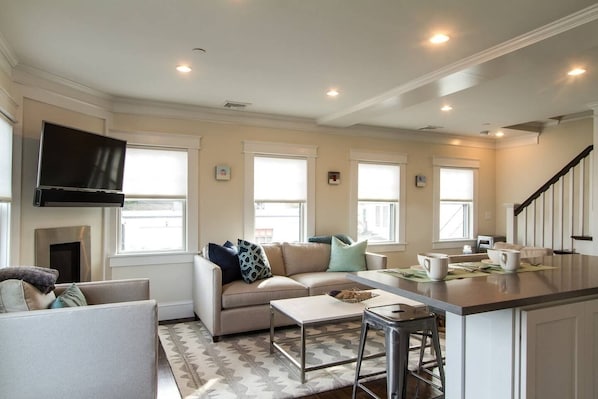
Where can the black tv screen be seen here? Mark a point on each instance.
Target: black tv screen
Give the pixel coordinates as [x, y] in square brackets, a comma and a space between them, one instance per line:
[74, 159]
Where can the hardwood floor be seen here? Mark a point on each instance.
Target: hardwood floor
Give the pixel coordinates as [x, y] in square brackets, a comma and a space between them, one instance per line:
[167, 388]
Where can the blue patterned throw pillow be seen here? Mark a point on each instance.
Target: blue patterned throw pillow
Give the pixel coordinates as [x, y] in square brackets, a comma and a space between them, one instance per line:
[253, 261]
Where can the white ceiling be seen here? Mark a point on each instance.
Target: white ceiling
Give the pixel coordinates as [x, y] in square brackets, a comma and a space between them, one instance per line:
[505, 64]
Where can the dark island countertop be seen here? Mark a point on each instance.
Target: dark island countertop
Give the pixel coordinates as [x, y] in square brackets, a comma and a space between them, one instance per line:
[575, 276]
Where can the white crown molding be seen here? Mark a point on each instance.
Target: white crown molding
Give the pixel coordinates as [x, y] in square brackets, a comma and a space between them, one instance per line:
[30, 76]
[8, 59]
[40, 81]
[214, 115]
[345, 117]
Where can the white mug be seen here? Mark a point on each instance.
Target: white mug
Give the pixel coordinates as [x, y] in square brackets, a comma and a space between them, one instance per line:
[436, 267]
[509, 259]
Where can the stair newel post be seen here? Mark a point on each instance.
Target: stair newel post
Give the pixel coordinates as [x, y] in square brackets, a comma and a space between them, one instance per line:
[594, 183]
[511, 223]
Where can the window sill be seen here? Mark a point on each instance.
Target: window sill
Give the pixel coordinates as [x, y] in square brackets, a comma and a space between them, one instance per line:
[457, 244]
[148, 259]
[386, 247]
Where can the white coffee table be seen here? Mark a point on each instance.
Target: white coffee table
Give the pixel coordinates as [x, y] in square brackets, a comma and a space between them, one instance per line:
[322, 309]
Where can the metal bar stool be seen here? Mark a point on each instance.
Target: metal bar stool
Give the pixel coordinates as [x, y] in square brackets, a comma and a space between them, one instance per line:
[398, 323]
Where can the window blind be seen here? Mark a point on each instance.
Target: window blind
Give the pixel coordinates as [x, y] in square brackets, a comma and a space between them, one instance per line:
[378, 182]
[280, 179]
[456, 184]
[155, 173]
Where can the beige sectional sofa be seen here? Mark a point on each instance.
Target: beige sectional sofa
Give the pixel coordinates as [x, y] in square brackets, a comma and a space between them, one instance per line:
[107, 350]
[299, 269]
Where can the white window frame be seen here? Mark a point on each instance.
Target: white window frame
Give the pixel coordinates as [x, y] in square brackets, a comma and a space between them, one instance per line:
[251, 149]
[161, 141]
[470, 164]
[390, 158]
[6, 202]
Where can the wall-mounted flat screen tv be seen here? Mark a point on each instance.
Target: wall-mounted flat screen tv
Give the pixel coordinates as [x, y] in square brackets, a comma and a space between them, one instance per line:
[75, 160]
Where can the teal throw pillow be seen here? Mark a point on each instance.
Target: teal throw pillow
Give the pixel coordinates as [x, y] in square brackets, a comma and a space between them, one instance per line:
[253, 262]
[70, 298]
[347, 258]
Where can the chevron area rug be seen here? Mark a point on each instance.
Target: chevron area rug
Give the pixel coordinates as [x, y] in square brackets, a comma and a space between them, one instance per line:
[241, 366]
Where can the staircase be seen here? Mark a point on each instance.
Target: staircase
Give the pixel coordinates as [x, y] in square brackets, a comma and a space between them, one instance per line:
[557, 215]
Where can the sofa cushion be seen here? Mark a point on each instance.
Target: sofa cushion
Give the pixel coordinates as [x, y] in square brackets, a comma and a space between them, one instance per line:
[253, 261]
[347, 258]
[274, 254]
[322, 283]
[43, 278]
[305, 257]
[70, 298]
[238, 294]
[19, 295]
[227, 257]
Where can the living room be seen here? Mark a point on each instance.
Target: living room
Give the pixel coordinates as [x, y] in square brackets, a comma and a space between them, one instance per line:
[509, 171]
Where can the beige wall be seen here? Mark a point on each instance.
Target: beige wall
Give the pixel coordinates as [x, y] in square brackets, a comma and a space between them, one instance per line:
[505, 175]
[34, 113]
[221, 203]
[520, 171]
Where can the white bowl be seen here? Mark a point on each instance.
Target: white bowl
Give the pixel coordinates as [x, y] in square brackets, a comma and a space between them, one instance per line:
[494, 255]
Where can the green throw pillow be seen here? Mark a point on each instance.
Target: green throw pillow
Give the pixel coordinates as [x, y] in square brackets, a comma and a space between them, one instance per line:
[347, 258]
[71, 297]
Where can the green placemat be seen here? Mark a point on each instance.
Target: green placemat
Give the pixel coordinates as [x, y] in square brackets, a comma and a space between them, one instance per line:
[462, 270]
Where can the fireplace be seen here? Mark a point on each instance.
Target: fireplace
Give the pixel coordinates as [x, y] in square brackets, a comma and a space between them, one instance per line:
[66, 249]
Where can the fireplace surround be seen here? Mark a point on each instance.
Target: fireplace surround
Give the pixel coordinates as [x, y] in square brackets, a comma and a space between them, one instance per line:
[67, 249]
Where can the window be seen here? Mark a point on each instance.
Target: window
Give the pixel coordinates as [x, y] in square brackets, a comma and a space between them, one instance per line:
[377, 198]
[455, 195]
[279, 191]
[280, 195]
[153, 218]
[5, 189]
[456, 204]
[378, 202]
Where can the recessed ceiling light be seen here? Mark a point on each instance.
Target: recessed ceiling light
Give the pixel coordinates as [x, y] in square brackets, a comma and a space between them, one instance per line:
[183, 68]
[576, 72]
[446, 108]
[499, 134]
[332, 93]
[439, 38]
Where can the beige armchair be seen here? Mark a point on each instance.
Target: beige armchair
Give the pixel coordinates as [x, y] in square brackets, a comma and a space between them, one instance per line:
[105, 350]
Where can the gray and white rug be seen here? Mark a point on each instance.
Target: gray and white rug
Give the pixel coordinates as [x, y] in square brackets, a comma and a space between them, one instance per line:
[241, 366]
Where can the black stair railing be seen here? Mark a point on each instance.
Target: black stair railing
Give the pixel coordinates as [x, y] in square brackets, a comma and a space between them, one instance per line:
[518, 209]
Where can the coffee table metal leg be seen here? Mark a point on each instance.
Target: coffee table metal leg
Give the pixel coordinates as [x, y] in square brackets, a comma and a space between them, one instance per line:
[271, 329]
[302, 353]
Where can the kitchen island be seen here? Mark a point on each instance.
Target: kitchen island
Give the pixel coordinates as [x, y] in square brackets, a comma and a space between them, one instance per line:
[518, 335]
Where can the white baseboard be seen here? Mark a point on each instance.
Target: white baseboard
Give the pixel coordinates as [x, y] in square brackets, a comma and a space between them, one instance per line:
[175, 310]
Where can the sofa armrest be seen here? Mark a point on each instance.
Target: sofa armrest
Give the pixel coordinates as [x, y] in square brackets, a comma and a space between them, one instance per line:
[375, 261]
[111, 291]
[101, 351]
[207, 293]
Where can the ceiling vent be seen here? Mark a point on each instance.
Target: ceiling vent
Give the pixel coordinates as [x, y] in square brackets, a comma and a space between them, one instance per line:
[235, 104]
